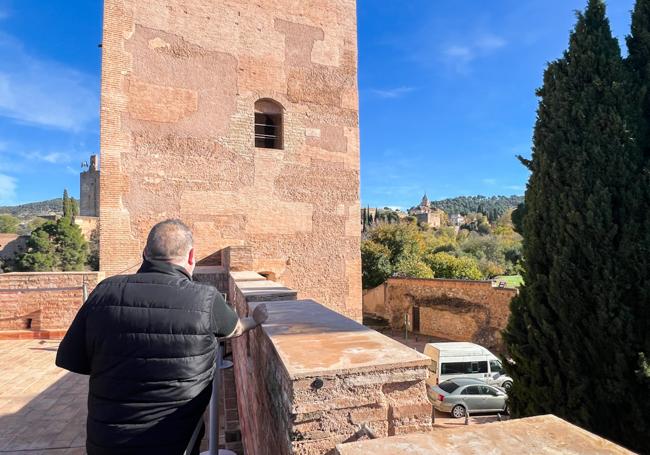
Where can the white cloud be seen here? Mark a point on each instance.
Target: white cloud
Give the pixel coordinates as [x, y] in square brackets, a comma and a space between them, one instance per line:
[490, 181]
[397, 92]
[7, 189]
[56, 157]
[490, 42]
[43, 92]
[460, 54]
[515, 187]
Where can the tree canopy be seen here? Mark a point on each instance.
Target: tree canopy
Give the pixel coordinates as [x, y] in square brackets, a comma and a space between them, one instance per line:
[572, 332]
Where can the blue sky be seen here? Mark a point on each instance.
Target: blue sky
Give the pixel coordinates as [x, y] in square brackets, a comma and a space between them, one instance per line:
[446, 89]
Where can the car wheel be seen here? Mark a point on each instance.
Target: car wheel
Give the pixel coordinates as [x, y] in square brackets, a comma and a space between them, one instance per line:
[458, 411]
[507, 386]
[506, 410]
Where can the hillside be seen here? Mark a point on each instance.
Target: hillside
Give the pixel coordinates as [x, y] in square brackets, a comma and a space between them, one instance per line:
[483, 204]
[53, 206]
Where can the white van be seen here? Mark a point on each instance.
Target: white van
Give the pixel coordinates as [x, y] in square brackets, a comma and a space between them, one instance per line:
[466, 360]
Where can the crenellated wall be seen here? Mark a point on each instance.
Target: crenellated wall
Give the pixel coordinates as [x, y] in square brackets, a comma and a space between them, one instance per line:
[311, 377]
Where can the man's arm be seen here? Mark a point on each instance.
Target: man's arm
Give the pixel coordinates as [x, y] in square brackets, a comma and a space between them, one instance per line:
[260, 315]
[72, 354]
[227, 324]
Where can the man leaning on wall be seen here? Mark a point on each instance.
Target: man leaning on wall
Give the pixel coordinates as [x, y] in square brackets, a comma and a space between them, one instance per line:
[148, 342]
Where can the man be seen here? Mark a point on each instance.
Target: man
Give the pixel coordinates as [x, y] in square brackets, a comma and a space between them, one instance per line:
[148, 342]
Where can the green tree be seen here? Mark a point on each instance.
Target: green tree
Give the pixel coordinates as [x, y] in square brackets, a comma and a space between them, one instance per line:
[70, 206]
[445, 265]
[9, 224]
[571, 328]
[55, 245]
[518, 218]
[412, 267]
[638, 63]
[376, 266]
[402, 240]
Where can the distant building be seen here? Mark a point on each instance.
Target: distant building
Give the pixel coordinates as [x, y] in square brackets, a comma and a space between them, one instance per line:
[424, 207]
[427, 215]
[456, 219]
[89, 189]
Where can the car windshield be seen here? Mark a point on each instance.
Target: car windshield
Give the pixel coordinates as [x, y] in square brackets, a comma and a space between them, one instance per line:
[448, 386]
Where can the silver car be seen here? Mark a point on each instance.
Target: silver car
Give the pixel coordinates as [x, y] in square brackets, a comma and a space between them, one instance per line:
[459, 395]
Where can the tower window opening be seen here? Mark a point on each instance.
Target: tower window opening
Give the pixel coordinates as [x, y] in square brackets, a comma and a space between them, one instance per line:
[268, 124]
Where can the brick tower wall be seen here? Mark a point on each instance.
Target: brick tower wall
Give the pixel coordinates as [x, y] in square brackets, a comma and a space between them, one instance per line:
[179, 85]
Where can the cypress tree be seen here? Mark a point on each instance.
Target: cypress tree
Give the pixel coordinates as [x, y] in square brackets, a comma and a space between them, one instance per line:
[571, 331]
[67, 208]
[638, 64]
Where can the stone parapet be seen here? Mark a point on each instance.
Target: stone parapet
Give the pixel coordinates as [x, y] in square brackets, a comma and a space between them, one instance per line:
[311, 378]
[533, 435]
[43, 302]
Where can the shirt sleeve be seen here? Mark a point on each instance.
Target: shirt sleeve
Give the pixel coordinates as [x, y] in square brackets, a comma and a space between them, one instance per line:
[224, 318]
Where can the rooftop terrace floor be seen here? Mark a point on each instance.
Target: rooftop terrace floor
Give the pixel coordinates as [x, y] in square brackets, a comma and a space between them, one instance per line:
[42, 407]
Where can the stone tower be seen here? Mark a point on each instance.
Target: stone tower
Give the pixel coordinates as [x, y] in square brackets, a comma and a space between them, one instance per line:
[89, 189]
[239, 117]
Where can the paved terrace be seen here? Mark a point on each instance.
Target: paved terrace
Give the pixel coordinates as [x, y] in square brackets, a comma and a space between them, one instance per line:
[43, 408]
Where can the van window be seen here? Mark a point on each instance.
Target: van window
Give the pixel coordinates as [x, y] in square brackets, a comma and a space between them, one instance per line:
[433, 367]
[495, 366]
[455, 368]
[463, 367]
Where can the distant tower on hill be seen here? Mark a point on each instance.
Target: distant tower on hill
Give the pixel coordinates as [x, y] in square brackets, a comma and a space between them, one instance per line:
[89, 188]
[425, 201]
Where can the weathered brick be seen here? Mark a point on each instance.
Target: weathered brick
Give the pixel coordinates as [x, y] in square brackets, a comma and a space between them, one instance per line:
[179, 87]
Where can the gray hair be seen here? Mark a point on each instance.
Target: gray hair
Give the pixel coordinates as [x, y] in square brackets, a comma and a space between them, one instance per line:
[168, 240]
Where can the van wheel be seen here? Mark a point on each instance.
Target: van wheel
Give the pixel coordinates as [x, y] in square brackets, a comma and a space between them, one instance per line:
[507, 386]
[458, 411]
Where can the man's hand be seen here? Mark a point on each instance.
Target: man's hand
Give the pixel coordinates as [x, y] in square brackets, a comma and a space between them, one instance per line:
[260, 314]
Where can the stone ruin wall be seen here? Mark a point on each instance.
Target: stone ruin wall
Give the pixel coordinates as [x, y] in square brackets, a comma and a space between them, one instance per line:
[458, 310]
[179, 84]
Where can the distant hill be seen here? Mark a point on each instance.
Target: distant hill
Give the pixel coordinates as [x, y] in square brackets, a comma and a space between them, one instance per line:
[53, 206]
[483, 204]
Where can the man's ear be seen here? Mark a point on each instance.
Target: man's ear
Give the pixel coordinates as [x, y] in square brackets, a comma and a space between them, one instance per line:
[190, 257]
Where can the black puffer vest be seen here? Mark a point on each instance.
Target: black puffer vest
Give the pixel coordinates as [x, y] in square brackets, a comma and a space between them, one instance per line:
[151, 356]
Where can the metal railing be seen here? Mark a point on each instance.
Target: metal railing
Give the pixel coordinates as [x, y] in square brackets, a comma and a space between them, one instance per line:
[213, 427]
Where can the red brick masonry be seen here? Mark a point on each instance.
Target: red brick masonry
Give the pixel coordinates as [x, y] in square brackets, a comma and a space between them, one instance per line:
[41, 305]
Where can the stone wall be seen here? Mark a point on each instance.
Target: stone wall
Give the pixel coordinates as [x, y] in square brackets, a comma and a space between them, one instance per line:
[311, 378]
[180, 81]
[528, 436]
[87, 224]
[459, 310]
[10, 244]
[374, 302]
[49, 300]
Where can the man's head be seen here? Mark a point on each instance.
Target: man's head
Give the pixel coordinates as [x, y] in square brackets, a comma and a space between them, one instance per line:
[171, 241]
